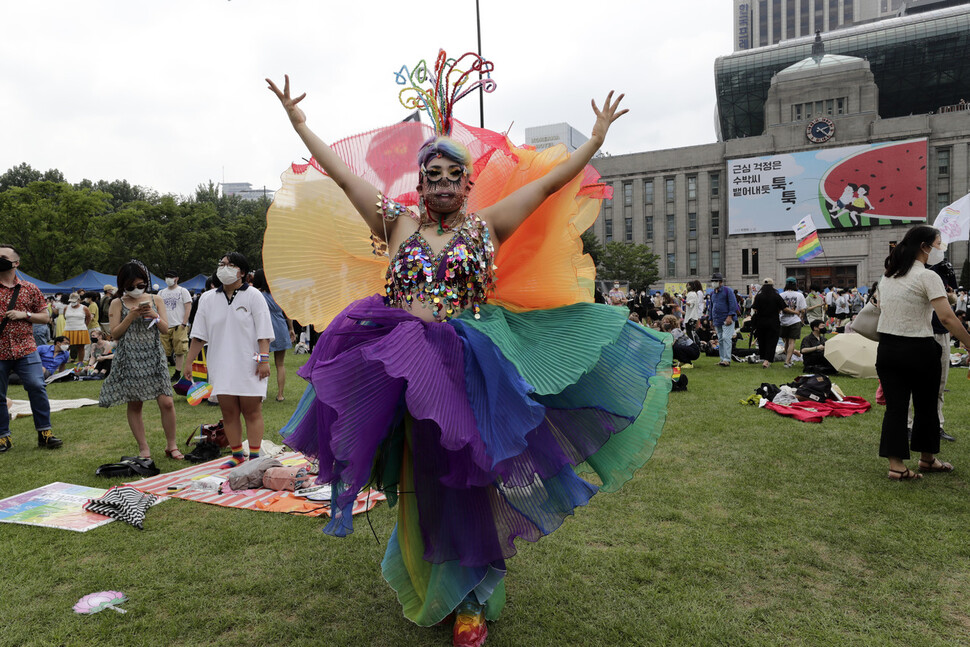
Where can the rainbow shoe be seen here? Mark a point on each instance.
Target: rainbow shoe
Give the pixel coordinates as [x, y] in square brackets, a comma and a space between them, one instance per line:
[470, 628]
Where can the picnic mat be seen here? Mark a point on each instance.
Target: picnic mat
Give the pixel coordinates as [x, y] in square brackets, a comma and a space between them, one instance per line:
[261, 499]
[21, 408]
[57, 505]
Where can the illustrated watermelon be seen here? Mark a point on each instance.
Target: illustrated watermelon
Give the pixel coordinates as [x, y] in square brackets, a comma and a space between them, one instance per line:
[896, 176]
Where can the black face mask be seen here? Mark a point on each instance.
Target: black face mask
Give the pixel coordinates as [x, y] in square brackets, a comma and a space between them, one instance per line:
[5, 264]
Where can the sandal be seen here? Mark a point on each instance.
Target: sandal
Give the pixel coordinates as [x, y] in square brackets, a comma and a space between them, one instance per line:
[904, 475]
[935, 465]
[280, 398]
[175, 454]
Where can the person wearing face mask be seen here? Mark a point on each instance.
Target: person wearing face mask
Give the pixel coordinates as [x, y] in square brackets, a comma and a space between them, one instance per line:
[54, 356]
[76, 320]
[178, 305]
[139, 371]
[235, 323]
[908, 357]
[813, 350]
[23, 306]
[102, 353]
[723, 308]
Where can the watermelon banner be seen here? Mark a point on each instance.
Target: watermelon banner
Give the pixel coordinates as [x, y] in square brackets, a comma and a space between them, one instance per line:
[843, 188]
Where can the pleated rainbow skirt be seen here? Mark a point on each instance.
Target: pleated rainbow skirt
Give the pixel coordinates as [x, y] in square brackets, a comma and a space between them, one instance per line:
[477, 430]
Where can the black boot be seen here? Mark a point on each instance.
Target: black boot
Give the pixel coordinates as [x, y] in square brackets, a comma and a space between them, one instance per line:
[48, 440]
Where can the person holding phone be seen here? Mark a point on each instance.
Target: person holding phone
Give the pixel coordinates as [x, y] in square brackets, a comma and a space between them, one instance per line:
[139, 371]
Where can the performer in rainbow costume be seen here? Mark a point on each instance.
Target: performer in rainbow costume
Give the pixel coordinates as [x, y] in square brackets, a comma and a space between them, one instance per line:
[472, 378]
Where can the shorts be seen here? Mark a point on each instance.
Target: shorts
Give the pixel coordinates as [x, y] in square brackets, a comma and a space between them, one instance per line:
[791, 331]
[176, 341]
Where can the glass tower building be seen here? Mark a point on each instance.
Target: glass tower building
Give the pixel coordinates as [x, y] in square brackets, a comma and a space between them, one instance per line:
[921, 63]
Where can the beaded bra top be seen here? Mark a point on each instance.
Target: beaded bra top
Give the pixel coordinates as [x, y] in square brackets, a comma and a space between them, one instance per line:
[457, 278]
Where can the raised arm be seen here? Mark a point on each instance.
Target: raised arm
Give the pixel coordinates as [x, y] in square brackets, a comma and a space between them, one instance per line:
[507, 214]
[362, 194]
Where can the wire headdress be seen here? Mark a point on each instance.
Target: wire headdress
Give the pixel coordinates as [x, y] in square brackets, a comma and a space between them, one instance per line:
[447, 85]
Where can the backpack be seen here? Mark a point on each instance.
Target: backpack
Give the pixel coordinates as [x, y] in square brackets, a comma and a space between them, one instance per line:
[817, 388]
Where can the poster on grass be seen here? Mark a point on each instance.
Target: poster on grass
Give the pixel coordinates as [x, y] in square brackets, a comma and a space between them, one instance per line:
[843, 188]
[57, 505]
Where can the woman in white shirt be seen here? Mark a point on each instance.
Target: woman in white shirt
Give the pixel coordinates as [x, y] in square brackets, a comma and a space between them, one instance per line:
[908, 357]
[235, 322]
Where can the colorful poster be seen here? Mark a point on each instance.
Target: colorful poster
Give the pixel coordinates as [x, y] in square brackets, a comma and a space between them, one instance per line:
[58, 505]
[844, 188]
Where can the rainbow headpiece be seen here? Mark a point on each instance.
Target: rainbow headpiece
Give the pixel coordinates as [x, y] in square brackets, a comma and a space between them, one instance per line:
[447, 85]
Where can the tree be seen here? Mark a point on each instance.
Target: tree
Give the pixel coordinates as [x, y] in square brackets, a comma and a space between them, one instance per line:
[24, 174]
[591, 246]
[635, 264]
[54, 226]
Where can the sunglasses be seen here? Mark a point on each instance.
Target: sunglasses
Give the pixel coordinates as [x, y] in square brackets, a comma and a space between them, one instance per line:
[139, 286]
[453, 174]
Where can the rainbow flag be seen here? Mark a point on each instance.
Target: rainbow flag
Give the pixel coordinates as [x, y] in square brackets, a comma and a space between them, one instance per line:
[808, 247]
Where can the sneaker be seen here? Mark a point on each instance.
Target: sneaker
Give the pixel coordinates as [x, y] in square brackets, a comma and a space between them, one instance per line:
[5, 444]
[470, 628]
[176, 376]
[48, 440]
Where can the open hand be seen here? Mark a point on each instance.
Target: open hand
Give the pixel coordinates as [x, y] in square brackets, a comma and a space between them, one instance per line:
[295, 114]
[607, 115]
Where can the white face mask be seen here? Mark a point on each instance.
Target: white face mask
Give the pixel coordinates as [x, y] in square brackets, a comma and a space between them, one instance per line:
[137, 292]
[65, 347]
[73, 302]
[227, 275]
[936, 256]
[170, 282]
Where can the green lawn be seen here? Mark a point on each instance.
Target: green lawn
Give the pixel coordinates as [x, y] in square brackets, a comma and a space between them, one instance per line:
[746, 528]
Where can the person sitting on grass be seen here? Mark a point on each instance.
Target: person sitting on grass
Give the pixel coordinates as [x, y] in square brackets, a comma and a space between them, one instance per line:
[102, 352]
[55, 355]
[813, 350]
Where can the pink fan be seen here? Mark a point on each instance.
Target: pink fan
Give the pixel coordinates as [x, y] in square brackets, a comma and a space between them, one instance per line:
[95, 602]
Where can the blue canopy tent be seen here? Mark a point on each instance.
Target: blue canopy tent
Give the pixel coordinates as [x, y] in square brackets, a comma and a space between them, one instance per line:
[88, 281]
[45, 287]
[195, 284]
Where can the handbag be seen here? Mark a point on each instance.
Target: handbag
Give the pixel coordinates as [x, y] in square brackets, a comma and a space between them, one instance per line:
[866, 323]
[215, 434]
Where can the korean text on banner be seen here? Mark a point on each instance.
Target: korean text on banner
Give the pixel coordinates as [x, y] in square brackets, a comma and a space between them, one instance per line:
[953, 221]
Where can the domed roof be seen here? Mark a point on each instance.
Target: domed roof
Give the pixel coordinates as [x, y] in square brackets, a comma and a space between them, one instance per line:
[828, 62]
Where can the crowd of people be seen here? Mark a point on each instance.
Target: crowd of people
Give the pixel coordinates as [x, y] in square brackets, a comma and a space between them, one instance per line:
[129, 338]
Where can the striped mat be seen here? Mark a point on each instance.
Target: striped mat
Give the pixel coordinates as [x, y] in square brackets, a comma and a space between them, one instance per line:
[261, 499]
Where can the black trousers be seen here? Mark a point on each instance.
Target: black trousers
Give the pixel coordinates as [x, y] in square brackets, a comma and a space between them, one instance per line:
[909, 366]
[767, 342]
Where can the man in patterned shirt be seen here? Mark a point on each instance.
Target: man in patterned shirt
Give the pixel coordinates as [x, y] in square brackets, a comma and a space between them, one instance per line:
[22, 306]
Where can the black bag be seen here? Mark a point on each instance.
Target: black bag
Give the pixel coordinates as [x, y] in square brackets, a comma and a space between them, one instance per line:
[817, 388]
[129, 466]
[679, 384]
[203, 452]
[767, 391]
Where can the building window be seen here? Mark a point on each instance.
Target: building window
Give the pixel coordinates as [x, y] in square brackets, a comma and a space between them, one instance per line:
[692, 263]
[692, 187]
[648, 227]
[796, 112]
[669, 183]
[627, 193]
[833, 14]
[609, 229]
[840, 105]
[715, 223]
[628, 229]
[848, 13]
[943, 161]
[754, 260]
[744, 262]
[692, 225]
[671, 227]
[716, 261]
[715, 185]
[671, 265]
[608, 218]
[648, 192]
[942, 201]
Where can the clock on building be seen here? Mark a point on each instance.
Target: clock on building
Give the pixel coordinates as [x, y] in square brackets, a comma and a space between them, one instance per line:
[820, 129]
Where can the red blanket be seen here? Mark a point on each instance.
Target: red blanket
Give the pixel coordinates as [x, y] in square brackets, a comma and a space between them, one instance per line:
[814, 411]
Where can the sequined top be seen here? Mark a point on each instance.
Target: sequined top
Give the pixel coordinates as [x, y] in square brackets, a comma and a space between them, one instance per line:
[459, 277]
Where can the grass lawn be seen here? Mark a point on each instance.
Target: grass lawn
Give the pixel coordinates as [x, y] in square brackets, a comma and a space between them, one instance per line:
[746, 528]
